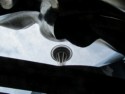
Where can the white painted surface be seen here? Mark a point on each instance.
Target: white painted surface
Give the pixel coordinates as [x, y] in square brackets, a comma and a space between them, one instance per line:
[29, 44]
[14, 91]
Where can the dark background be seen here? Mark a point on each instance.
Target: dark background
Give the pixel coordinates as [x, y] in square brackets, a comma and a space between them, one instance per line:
[57, 80]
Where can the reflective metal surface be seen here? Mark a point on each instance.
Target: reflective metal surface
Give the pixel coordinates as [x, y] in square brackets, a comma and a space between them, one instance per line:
[29, 44]
[6, 90]
[23, 35]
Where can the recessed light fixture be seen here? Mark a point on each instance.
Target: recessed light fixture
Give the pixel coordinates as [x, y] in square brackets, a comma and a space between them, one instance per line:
[61, 54]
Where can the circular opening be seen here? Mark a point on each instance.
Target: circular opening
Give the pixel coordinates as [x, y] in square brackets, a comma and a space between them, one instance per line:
[61, 53]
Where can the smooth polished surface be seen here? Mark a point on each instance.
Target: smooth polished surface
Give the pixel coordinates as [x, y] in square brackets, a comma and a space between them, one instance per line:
[6, 90]
[23, 35]
[29, 44]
